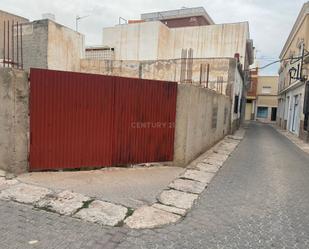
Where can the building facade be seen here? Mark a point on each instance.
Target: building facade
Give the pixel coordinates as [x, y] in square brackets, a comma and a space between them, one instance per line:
[49, 45]
[293, 78]
[184, 17]
[267, 98]
[168, 45]
[156, 41]
[251, 95]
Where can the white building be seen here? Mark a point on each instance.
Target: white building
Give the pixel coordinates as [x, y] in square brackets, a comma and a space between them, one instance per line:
[187, 38]
[293, 106]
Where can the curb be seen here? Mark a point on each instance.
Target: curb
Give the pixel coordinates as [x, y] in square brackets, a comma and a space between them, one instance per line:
[172, 205]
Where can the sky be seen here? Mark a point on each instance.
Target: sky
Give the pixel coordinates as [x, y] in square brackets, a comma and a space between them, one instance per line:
[270, 20]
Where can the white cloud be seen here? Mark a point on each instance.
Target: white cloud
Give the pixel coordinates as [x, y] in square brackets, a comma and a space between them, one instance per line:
[270, 20]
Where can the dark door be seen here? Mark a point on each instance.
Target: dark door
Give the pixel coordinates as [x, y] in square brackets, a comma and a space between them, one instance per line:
[273, 114]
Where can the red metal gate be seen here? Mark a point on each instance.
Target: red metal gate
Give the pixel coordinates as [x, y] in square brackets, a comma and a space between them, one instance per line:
[82, 120]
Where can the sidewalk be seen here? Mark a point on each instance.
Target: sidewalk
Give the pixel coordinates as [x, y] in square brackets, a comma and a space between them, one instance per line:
[294, 139]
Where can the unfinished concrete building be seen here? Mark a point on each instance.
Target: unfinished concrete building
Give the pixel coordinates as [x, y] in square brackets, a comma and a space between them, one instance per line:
[39, 44]
[167, 46]
[49, 45]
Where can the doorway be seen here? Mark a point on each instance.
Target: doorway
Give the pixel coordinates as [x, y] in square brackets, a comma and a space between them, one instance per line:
[273, 114]
[295, 114]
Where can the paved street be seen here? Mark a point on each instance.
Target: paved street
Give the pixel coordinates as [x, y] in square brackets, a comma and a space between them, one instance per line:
[259, 199]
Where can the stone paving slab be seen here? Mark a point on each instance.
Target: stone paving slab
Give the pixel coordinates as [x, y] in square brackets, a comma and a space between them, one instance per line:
[213, 162]
[224, 149]
[217, 157]
[103, 213]
[4, 184]
[65, 203]
[24, 193]
[220, 151]
[150, 217]
[2, 173]
[170, 209]
[207, 167]
[177, 199]
[189, 186]
[197, 175]
[174, 203]
[230, 141]
[235, 137]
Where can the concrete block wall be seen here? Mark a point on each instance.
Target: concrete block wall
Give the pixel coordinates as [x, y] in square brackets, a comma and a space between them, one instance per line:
[202, 119]
[14, 120]
[35, 42]
[49, 45]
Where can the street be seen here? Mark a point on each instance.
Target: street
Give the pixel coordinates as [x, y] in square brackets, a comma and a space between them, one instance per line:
[259, 199]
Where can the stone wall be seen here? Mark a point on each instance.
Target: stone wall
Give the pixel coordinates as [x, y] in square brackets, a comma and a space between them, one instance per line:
[14, 120]
[202, 119]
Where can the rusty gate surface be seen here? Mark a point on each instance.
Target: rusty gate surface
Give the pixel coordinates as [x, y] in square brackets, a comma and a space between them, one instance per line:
[80, 120]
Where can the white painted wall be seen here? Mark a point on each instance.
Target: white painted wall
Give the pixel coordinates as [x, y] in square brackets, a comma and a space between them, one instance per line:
[155, 41]
[286, 108]
[133, 41]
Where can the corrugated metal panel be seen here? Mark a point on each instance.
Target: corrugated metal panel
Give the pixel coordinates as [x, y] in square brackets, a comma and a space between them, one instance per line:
[86, 120]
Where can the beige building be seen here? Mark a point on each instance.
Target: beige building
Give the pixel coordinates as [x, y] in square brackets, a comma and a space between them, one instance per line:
[267, 98]
[185, 46]
[41, 44]
[155, 41]
[50, 45]
[293, 80]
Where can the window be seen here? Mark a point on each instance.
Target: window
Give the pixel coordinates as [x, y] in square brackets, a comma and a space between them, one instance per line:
[266, 90]
[225, 114]
[236, 100]
[262, 112]
[214, 117]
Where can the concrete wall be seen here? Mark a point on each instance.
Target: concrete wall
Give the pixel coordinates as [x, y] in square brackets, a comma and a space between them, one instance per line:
[65, 48]
[155, 41]
[134, 41]
[49, 45]
[14, 123]
[202, 119]
[5, 16]
[220, 71]
[237, 89]
[35, 43]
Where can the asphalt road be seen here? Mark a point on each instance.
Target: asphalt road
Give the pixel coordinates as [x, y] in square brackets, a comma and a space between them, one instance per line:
[259, 199]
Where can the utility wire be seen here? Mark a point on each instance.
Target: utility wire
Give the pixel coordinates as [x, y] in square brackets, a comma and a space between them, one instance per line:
[274, 62]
